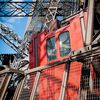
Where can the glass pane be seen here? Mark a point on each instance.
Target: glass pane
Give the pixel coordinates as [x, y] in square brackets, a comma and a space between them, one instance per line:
[51, 49]
[64, 44]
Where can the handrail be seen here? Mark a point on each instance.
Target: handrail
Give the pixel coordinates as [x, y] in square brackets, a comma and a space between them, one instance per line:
[76, 55]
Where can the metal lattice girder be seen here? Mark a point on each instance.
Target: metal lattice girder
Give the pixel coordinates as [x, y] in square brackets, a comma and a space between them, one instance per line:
[64, 8]
[60, 8]
[37, 7]
[20, 46]
[5, 85]
[52, 11]
[11, 39]
[8, 9]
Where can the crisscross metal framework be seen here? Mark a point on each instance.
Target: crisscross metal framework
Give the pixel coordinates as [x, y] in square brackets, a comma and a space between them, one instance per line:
[38, 7]
[11, 39]
[62, 8]
[19, 9]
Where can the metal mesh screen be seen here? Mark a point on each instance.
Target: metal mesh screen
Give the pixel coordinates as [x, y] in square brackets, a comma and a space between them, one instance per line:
[70, 7]
[83, 81]
[50, 83]
[90, 80]
[73, 81]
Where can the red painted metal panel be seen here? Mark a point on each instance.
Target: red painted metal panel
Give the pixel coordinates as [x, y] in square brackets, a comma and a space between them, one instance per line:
[42, 55]
[76, 34]
[73, 85]
[31, 52]
[75, 39]
[50, 83]
[31, 55]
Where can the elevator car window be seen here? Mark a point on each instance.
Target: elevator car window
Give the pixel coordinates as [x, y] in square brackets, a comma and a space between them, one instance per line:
[51, 49]
[64, 44]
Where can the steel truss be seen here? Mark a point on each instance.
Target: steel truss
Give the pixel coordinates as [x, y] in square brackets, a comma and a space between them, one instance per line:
[60, 8]
[20, 46]
[11, 39]
[6, 59]
[19, 9]
[52, 11]
[40, 7]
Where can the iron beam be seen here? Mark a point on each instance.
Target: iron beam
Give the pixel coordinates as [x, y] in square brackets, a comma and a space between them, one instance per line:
[19, 89]
[64, 81]
[89, 30]
[35, 85]
[5, 85]
[39, 7]
[83, 25]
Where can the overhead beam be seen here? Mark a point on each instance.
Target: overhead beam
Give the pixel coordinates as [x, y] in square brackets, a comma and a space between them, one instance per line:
[16, 9]
[40, 8]
[89, 30]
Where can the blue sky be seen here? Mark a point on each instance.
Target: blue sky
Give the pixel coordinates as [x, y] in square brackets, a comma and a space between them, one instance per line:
[18, 25]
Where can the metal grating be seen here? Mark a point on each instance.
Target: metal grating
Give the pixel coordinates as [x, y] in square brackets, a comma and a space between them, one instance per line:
[73, 82]
[90, 79]
[50, 84]
[83, 81]
[88, 86]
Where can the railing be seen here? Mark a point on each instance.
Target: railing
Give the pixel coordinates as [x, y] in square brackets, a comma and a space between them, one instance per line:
[30, 85]
[54, 85]
[10, 80]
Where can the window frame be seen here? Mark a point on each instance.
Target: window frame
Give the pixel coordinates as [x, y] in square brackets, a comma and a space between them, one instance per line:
[35, 47]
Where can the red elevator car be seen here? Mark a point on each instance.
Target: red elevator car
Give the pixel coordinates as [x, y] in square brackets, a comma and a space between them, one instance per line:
[50, 47]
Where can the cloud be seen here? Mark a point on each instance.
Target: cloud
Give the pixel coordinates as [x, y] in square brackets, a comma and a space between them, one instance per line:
[10, 21]
[23, 0]
[17, 0]
[13, 19]
[9, 25]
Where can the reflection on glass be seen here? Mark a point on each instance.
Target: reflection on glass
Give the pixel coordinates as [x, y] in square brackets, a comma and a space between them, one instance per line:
[64, 44]
[51, 49]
